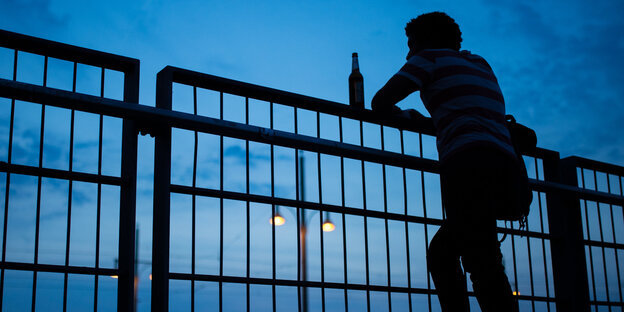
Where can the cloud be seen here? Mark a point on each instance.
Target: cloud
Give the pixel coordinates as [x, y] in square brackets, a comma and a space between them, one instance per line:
[560, 69]
[30, 15]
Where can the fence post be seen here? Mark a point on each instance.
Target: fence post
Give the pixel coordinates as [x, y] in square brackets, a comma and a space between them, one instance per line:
[566, 244]
[126, 291]
[162, 182]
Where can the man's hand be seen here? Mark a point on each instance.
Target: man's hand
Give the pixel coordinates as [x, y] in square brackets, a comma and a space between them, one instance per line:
[411, 114]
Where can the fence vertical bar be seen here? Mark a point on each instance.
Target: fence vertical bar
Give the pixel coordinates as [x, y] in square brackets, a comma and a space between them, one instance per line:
[194, 204]
[162, 181]
[273, 208]
[365, 222]
[247, 219]
[426, 226]
[541, 217]
[126, 290]
[613, 231]
[299, 196]
[385, 208]
[221, 222]
[99, 196]
[344, 221]
[604, 261]
[320, 199]
[39, 182]
[590, 255]
[69, 193]
[407, 252]
[7, 185]
[566, 230]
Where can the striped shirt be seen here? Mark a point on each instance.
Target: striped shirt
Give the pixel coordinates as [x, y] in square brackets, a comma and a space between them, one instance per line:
[462, 95]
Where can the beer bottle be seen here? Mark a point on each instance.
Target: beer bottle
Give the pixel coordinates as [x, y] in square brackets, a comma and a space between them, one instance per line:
[356, 84]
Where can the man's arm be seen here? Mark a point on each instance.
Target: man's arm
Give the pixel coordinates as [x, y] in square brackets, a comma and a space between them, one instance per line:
[395, 90]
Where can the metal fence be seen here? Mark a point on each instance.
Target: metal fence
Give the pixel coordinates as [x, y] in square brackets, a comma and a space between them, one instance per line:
[359, 198]
[602, 224]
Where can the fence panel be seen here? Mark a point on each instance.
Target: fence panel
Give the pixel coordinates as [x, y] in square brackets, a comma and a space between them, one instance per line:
[602, 231]
[268, 153]
[68, 178]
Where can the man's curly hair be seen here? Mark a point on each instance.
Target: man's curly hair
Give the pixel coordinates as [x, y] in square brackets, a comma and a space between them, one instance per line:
[436, 29]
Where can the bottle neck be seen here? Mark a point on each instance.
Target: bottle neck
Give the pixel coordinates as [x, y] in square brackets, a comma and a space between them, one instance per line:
[355, 66]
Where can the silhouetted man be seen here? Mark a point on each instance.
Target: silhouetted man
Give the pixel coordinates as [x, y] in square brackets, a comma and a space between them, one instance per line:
[478, 162]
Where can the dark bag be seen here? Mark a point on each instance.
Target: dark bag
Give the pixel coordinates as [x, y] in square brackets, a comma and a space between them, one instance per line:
[520, 197]
[523, 138]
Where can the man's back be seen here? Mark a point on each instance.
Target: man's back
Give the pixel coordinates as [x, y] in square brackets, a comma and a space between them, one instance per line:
[461, 93]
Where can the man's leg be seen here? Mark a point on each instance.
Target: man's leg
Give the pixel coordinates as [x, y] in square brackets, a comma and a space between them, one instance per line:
[446, 271]
[472, 184]
[483, 259]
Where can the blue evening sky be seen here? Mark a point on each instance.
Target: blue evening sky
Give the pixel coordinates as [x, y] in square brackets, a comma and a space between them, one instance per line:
[558, 62]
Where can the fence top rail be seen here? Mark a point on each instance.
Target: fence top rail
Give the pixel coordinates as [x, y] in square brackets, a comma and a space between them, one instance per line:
[580, 193]
[67, 52]
[595, 165]
[271, 95]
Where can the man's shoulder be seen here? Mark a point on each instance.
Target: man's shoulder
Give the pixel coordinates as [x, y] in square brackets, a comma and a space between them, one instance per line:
[475, 58]
[435, 53]
[451, 57]
[432, 54]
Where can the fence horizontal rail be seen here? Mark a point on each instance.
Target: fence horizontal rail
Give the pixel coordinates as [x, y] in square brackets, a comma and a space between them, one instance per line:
[294, 283]
[312, 284]
[595, 165]
[57, 268]
[159, 119]
[181, 189]
[66, 52]
[59, 174]
[594, 243]
[301, 204]
[244, 89]
[606, 303]
[603, 197]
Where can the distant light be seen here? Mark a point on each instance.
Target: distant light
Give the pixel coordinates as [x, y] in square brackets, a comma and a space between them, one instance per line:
[279, 220]
[150, 276]
[516, 293]
[115, 276]
[328, 226]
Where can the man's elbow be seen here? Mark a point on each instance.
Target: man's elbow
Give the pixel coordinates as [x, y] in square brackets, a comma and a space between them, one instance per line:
[378, 104]
[375, 103]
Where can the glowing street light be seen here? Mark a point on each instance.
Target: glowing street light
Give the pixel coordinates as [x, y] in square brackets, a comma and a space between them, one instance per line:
[277, 219]
[328, 226]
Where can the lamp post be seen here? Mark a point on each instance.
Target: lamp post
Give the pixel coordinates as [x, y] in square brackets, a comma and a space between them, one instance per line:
[136, 267]
[327, 226]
